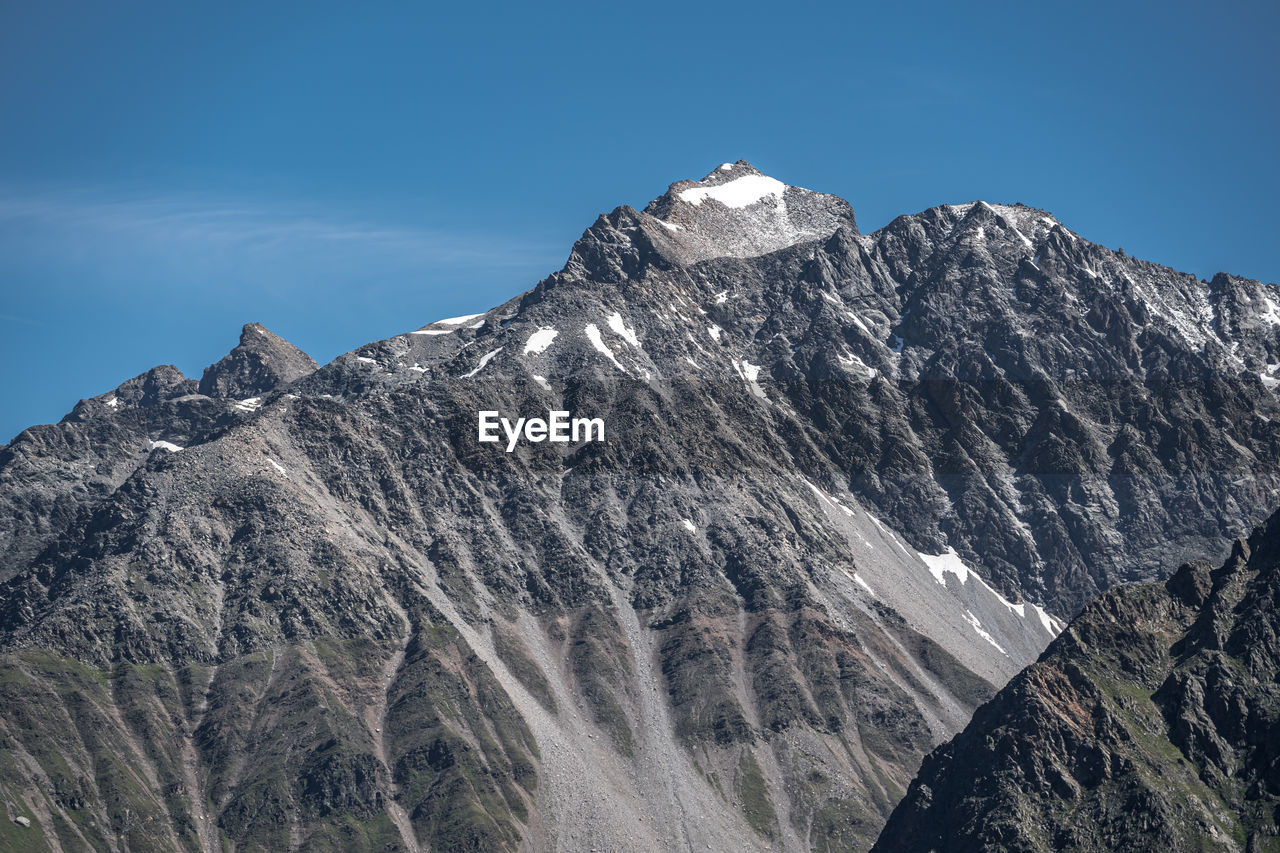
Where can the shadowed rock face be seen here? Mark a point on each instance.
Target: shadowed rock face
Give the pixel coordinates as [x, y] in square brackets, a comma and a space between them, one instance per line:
[1152, 723]
[840, 472]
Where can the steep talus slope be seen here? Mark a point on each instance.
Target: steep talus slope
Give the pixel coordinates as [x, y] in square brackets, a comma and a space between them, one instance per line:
[840, 474]
[1151, 723]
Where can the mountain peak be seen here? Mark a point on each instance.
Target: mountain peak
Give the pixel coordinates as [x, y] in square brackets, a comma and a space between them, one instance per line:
[260, 362]
[727, 173]
[738, 211]
[735, 211]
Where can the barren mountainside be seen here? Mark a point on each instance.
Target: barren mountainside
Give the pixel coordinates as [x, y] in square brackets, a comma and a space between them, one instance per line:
[850, 486]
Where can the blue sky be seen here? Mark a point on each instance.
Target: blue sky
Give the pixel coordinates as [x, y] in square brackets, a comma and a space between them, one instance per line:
[344, 172]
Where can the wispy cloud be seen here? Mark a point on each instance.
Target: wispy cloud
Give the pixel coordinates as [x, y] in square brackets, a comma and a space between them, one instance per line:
[256, 228]
[26, 321]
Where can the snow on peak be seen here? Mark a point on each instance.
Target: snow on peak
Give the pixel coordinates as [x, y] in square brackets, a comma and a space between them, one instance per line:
[737, 193]
[735, 211]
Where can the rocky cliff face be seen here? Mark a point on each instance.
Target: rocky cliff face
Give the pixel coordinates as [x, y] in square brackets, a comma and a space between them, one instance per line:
[841, 473]
[1152, 723]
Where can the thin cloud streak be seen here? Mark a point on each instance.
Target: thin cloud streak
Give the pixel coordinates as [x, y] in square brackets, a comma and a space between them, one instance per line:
[26, 321]
[259, 229]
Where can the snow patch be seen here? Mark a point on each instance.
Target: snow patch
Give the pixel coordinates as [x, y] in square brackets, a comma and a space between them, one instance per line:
[484, 359]
[857, 321]
[252, 404]
[738, 193]
[621, 329]
[1272, 314]
[165, 445]
[853, 362]
[593, 334]
[749, 373]
[689, 525]
[113, 403]
[1268, 376]
[1052, 625]
[977, 626]
[542, 380]
[456, 321]
[365, 360]
[539, 341]
[714, 331]
[948, 561]
[434, 332]
[279, 469]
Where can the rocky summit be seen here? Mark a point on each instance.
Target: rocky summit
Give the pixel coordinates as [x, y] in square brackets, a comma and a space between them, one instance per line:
[847, 487]
[1152, 723]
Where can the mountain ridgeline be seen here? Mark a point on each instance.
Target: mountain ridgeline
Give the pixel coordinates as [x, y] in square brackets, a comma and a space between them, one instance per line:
[851, 485]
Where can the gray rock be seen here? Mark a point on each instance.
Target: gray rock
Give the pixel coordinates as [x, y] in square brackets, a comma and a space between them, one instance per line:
[260, 363]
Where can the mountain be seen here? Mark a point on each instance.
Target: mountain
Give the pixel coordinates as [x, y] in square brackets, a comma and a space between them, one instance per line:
[1151, 723]
[848, 486]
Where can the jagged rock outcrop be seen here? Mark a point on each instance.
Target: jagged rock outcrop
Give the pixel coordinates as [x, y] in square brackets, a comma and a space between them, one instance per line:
[261, 362]
[840, 475]
[1151, 723]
